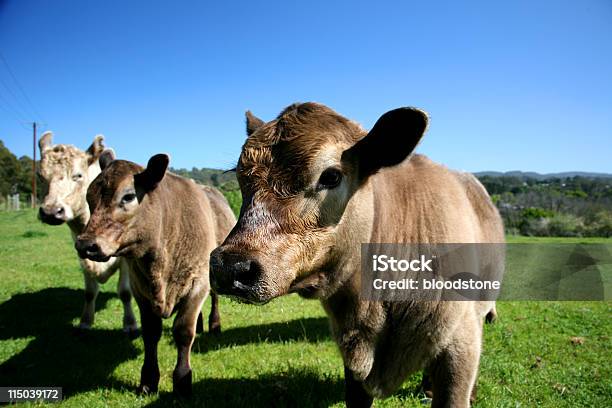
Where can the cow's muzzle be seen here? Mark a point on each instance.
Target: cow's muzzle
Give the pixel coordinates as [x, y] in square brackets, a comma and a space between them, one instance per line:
[236, 275]
[52, 215]
[89, 249]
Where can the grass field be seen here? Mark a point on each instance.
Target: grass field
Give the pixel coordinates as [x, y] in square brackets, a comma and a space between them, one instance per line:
[555, 354]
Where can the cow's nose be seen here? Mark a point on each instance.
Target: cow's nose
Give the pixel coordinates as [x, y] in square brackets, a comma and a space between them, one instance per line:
[51, 214]
[246, 273]
[231, 272]
[87, 248]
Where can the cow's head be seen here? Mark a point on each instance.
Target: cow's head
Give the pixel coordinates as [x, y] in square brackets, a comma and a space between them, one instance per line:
[67, 172]
[117, 200]
[297, 174]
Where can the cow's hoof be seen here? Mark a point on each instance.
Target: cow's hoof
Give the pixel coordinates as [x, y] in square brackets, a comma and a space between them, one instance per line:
[132, 332]
[426, 401]
[84, 326]
[426, 385]
[182, 386]
[214, 328]
[81, 331]
[146, 389]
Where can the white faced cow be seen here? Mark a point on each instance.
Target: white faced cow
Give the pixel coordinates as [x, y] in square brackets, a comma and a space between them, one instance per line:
[68, 171]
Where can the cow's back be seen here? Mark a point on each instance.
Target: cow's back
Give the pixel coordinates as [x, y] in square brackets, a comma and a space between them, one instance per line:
[420, 201]
[224, 218]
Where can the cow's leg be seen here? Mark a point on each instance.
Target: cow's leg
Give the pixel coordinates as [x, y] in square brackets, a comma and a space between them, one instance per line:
[491, 315]
[426, 382]
[455, 372]
[200, 324]
[355, 394]
[130, 326]
[214, 320]
[474, 391]
[183, 331]
[151, 333]
[89, 309]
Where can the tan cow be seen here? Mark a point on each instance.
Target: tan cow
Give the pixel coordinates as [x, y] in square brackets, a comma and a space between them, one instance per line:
[68, 171]
[315, 186]
[165, 226]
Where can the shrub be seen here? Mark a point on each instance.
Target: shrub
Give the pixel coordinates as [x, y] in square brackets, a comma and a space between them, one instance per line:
[600, 225]
[234, 198]
[565, 225]
[534, 227]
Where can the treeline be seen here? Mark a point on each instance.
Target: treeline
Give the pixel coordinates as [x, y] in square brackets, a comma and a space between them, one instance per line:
[223, 180]
[16, 176]
[575, 206]
[211, 177]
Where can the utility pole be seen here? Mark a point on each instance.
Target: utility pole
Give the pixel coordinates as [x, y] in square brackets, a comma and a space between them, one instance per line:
[33, 164]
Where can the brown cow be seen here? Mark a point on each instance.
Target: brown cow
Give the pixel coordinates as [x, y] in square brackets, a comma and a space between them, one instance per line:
[315, 186]
[165, 226]
[68, 171]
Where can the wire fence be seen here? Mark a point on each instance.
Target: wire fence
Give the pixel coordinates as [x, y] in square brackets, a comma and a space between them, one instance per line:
[16, 202]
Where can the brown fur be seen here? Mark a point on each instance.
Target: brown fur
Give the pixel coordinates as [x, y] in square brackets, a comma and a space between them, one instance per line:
[294, 234]
[166, 234]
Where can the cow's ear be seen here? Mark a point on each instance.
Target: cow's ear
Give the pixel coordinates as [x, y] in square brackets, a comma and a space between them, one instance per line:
[154, 173]
[252, 123]
[106, 157]
[95, 150]
[45, 142]
[394, 136]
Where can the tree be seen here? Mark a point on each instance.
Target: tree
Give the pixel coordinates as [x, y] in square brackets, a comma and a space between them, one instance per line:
[10, 171]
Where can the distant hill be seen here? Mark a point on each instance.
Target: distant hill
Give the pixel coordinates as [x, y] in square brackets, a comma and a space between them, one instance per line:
[547, 176]
[211, 177]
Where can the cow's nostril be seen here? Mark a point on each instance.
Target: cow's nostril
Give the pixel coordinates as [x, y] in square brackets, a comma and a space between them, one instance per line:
[247, 272]
[87, 247]
[59, 211]
[92, 248]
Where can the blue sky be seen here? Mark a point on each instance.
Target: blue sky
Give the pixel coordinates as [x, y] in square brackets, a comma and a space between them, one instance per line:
[509, 85]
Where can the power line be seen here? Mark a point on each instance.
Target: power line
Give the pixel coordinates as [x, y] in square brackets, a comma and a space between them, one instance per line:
[11, 110]
[8, 68]
[22, 107]
[12, 114]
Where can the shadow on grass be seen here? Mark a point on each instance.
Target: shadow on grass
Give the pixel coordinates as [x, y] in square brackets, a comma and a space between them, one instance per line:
[312, 329]
[34, 234]
[57, 355]
[301, 388]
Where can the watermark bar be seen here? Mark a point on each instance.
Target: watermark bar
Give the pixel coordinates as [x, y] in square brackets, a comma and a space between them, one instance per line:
[486, 272]
[30, 394]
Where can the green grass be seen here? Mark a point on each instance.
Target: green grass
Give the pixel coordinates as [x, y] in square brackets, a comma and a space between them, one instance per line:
[278, 354]
[519, 239]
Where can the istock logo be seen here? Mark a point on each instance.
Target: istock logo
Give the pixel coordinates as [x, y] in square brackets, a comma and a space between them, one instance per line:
[384, 263]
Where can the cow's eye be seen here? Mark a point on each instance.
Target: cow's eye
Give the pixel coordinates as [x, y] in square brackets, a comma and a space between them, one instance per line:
[330, 178]
[77, 176]
[128, 198]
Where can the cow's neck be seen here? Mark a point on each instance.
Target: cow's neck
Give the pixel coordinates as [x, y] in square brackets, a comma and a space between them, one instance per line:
[159, 228]
[355, 229]
[344, 306]
[78, 223]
